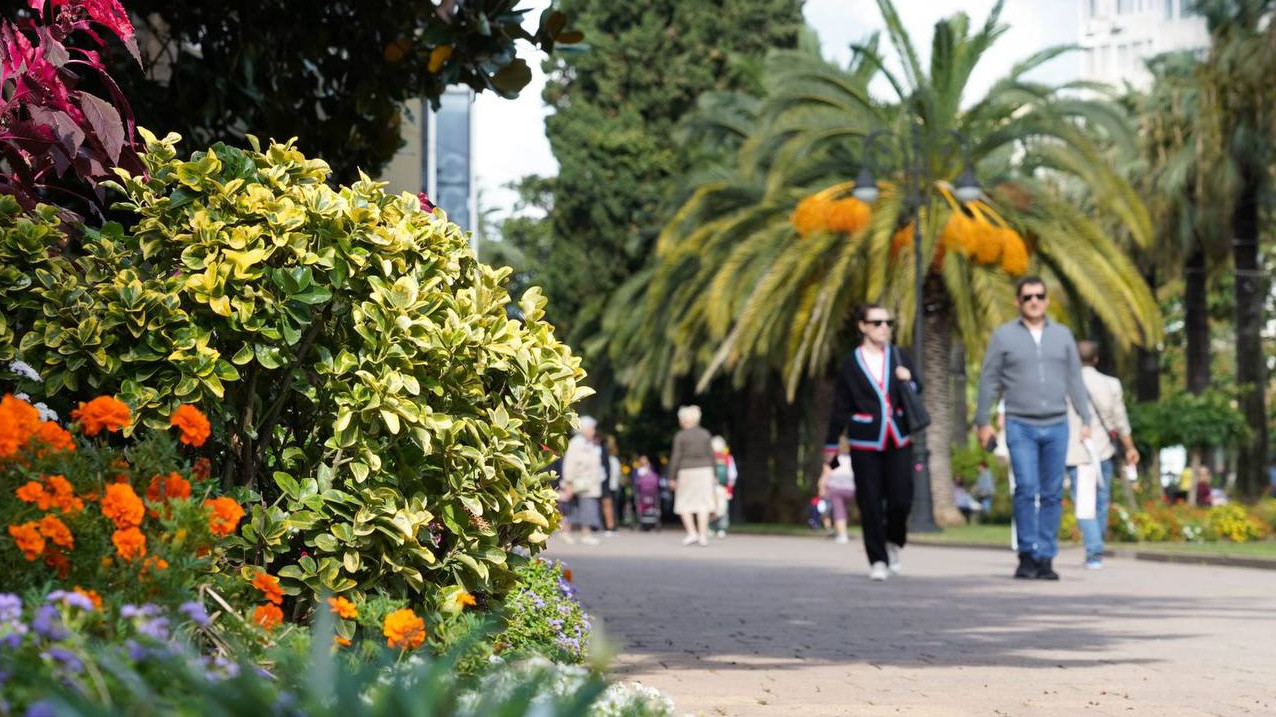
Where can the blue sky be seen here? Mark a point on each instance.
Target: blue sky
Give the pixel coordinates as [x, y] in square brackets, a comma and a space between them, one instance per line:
[510, 134]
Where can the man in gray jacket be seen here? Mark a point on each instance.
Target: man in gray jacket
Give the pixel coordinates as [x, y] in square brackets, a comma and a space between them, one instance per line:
[1032, 364]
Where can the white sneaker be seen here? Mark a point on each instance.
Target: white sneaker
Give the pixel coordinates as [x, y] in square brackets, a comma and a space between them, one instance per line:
[590, 540]
[609, 534]
[690, 540]
[569, 538]
[892, 555]
[842, 540]
[722, 534]
[878, 572]
[703, 540]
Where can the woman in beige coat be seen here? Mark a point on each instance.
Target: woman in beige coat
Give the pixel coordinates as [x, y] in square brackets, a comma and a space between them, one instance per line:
[691, 473]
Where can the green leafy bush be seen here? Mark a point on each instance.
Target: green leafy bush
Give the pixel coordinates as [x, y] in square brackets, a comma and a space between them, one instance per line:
[361, 371]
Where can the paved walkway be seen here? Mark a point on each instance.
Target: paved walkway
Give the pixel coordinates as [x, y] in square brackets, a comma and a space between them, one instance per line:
[791, 626]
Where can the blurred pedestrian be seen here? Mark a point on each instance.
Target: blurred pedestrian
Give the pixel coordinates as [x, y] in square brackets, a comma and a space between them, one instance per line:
[1109, 422]
[584, 471]
[691, 475]
[985, 488]
[965, 502]
[868, 408]
[837, 486]
[725, 471]
[611, 489]
[1032, 364]
[1204, 492]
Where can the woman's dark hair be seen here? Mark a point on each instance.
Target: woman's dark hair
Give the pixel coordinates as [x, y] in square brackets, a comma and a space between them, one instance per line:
[861, 311]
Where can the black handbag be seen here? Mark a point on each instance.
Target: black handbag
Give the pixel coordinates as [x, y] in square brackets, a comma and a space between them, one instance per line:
[914, 410]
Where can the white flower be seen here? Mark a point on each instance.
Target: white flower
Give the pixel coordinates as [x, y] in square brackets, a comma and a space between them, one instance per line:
[22, 397]
[24, 370]
[46, 413]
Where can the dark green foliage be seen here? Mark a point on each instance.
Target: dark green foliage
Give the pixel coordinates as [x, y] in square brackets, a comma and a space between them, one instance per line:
[617, 108]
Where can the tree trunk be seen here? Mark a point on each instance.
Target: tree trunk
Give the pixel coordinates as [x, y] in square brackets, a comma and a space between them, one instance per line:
[957, 382]
[1196, 322]
[938, 395]
[1251, 369]
[753, 486]
[1147, 383]
[816, 423]
[789, 496]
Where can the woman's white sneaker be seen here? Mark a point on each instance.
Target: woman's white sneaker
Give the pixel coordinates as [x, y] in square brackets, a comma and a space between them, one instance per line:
[690, 539]
[878, 572]
[892, 555]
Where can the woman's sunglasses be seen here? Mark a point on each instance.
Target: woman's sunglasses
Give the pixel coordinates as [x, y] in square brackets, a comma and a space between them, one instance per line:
[880, 322]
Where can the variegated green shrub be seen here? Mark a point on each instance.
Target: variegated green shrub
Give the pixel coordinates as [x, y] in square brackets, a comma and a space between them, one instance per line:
[366, 381]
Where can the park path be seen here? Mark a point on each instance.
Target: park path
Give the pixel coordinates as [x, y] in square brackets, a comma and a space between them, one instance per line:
[757, 625]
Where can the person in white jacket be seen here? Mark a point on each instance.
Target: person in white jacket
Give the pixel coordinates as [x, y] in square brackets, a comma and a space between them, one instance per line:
[583, 475]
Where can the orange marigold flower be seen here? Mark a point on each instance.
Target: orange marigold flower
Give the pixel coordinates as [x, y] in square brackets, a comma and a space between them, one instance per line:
[129, 543]
[466, 599]
[28, 539]
[269, 587]
[192, 423]
[155, 564]
[18, 421]
[404, 630]
[52, 438]
[567, 575]
[102, 413]
[55, 530]
[225, 516]
[91, 595]
[343, 607]
[172, 487]
[63, 494]
[122, 506]
[340, 641]
[268, 616]
[33, 492]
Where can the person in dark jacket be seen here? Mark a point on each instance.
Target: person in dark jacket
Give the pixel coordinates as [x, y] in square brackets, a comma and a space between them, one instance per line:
[868, 407]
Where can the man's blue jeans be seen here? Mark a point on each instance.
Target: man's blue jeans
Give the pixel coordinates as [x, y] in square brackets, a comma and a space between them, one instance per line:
[1092, 530]
[1038, 456]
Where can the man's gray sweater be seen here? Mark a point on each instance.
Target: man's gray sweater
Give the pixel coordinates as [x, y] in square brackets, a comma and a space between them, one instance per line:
[1035, 380]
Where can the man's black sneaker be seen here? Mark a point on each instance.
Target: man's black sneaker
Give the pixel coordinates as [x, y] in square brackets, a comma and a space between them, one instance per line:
[1028, 568]
[1045, 570]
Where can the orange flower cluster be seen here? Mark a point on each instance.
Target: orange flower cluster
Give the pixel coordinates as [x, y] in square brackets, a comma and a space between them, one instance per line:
[55, 492]
[225, 517]
[92, 595]
[104, 413]
[31, 537]
[820, 212]
[269, 587]
[466, 599]
[343, 608]
[130, 543]
[268, 616]
[403, 630]
[192, 423]
[162, 490]
[56, 532]
[985, 238]
[122, 506]
[28, 539]
[20, 425]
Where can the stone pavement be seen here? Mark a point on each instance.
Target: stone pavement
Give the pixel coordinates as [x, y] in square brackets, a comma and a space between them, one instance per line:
[758, 625]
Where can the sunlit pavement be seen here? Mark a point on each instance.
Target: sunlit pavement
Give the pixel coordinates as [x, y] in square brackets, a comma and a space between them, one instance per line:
[756, 625]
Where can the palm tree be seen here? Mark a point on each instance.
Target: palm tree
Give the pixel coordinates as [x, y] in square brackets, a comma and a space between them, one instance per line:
[1238, 112]
[761, 267]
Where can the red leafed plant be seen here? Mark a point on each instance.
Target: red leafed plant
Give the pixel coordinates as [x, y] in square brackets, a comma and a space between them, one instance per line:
[56, 137]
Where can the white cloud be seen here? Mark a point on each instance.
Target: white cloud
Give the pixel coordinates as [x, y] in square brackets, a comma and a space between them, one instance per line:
[510, 134]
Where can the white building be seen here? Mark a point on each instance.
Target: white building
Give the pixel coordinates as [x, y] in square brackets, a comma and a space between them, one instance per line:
[1117, 36]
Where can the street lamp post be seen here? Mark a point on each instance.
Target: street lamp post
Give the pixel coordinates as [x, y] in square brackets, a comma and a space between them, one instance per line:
[922, 518]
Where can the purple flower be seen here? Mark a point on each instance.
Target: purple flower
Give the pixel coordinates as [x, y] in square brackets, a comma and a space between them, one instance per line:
[10, 606]
[73, 599]
[11, 634]
[43, 708]
[537, 602]
[136, 651]
[69, 660]
[195, 612]
[129, 612]
[156, 629]
[48, 623]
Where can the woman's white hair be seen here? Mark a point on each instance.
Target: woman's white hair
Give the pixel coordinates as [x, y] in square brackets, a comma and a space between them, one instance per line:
[689, 416]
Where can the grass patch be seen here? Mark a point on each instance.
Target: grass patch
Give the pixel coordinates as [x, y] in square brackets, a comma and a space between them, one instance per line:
[1256, 549]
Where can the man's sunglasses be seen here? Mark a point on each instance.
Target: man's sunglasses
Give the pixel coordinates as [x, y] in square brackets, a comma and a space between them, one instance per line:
[880, 322]
[1030, 297]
